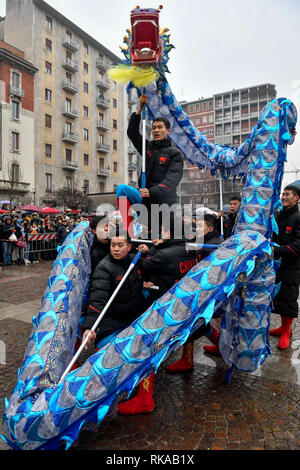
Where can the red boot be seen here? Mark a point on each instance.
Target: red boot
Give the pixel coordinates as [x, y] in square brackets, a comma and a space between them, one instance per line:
[143, 402]
[213, 337]
[186, 362]
[284, 341]
[278, 331]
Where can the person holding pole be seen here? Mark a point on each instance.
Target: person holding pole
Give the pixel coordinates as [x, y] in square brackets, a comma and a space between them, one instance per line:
[229, 219]
[128, 304]
[163, 165]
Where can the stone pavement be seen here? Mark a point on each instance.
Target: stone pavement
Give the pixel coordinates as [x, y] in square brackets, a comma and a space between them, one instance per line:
[195, 410]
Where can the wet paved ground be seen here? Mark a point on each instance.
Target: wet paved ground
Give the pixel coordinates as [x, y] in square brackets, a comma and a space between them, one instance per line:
[195, 410]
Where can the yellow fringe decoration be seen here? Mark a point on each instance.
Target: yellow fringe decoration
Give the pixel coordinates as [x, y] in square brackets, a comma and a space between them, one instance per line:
[139, 76]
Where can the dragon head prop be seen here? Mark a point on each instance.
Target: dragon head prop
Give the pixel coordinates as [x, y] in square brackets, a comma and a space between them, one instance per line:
[146, 50]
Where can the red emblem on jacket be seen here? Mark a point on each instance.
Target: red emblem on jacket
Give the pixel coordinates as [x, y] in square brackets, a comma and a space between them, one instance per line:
[288, 229]
[163, 159]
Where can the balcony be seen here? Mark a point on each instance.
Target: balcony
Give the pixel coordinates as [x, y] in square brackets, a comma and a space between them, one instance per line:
[70, 137]
[103, 84]
[102, 103]
[103, 172]
[71, 113]
[16, 91]
[71, 65]
[131, 150]
[132, 166]
[68, 85]
[19, 187]
[102, 65]
[70, 44]
[69, 165]
[104, 126]
[101, 147]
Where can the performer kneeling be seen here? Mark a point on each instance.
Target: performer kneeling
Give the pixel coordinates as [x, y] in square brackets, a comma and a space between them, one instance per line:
[128, 305]
[163, 266]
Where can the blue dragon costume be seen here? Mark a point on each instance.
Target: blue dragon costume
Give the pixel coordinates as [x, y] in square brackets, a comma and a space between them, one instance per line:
[236, 281]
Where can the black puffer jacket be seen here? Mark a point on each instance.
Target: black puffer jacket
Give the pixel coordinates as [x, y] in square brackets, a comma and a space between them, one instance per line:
[129, 303]
[98, 251]
[167, 263]
[164, 164]
[288, 239]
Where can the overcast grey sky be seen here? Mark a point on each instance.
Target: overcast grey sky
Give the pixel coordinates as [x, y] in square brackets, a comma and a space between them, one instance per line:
[219, 44]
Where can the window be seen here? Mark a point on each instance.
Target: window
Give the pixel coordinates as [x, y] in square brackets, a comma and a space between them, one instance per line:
[85, 134]
[68, 128]
[115, 124]
[49, 22]
[102, 187]
[101, 118]
[69, 77]
[15, 141]
[68, 57]
[191, 108]
[48, 182]
[15, 110]
[204, 105]
[86, 185]
[211, 132]
[85, 67]
[197, 121]
[115, 144]
[85, 48]
[15, 172]
[115, 167]
[101, 139]
[204, 119]
[68, 156]
[69, 181]
[115, 103]
[15, 79]
[101, 163]
[86, 159]
[48, 95]
[197, 107]
[48, 44]
[210, 105]
[85, 111]
[69, 35]
[48, 120]
[114, 86]
[85, 87]
[48, 67]
[68, 105]
[48, 150]
[211, 118]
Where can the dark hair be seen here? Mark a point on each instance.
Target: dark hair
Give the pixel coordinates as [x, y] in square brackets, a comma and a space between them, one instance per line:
[295, 190]
[164, 120]
[120, 232]
[170, 225]
[210, 220]
[235, 198]
[95, 221]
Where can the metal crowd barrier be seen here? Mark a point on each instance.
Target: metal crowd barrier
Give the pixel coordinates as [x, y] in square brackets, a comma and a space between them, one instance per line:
[40, 246]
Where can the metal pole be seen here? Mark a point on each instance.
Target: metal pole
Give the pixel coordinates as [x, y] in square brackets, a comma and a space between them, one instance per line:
[132, 265]
[143, 176]
[221, 204]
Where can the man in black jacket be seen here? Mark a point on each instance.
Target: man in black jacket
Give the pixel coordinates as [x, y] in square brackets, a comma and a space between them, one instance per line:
[162, 266]
[288, 239]
[128, 304]
[229, 219]
[164, 162]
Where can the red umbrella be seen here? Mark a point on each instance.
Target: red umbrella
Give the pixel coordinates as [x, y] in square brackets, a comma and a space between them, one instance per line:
[2, 211]
[30, 208]
[50, 210]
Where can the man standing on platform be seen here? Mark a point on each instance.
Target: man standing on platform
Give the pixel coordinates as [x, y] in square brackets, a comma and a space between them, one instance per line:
[164, 164]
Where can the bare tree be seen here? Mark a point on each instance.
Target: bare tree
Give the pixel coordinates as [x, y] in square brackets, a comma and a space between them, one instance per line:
[12, 181]
[72, 197]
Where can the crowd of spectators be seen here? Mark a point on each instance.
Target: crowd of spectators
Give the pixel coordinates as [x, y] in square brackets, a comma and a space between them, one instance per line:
[16, 227]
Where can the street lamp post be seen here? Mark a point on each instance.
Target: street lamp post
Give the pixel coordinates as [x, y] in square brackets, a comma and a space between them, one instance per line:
[33, 191]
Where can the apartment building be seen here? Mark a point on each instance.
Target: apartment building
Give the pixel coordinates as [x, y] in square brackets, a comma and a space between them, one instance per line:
[79, 112]
[16, 125]
[226, 119]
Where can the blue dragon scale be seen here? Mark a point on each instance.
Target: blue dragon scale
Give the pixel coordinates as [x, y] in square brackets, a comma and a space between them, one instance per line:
[237, 281]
